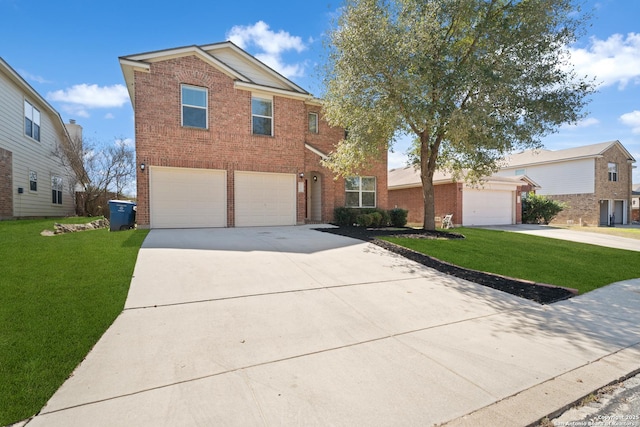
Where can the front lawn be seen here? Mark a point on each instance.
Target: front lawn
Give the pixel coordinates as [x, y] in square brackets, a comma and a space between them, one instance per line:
[552, 261]
[59, 295]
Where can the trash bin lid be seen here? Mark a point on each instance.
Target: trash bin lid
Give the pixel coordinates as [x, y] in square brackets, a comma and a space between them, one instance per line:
[123, 201]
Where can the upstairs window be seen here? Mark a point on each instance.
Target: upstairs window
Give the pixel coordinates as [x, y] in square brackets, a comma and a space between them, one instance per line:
[194, 107]
[31, 121]
[33, 181]
[613, 172]
[360, 192]
[313, 122]
[56, 190]
[261, 116]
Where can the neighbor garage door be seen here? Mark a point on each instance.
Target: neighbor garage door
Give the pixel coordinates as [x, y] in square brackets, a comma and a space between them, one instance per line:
[187, 198]
[487, 207]
[265, 199]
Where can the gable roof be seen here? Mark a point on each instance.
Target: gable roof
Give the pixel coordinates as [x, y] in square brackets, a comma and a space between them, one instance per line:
[409, 177]
[533, 157]
[247, 72]
[17, 79]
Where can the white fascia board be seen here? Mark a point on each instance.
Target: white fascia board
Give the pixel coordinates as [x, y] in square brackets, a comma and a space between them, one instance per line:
[316, 151]
[259, 64]
[163, 55]
[136, 65]
[252, 87]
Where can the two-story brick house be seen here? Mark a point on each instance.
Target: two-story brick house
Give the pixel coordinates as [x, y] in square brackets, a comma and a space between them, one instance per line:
[33, 180]
[222, 140]
[594, 181]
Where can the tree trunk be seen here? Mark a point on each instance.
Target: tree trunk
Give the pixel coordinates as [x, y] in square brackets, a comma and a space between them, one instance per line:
[429, 203]
[428, 157]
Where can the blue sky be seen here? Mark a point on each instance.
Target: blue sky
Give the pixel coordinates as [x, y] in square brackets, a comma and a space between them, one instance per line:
[68, 51]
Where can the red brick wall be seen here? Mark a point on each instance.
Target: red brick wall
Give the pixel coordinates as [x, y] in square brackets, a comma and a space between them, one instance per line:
[228, 143]
[448, 200]
[6, 184]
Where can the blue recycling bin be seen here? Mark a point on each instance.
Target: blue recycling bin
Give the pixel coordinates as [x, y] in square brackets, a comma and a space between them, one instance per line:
[122, 215]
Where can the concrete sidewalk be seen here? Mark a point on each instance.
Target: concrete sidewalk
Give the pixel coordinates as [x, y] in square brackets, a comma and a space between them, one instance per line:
[290, 326]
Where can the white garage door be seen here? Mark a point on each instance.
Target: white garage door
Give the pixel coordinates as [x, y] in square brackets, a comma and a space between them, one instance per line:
[265, 199]
[187, 198]
[487, 207]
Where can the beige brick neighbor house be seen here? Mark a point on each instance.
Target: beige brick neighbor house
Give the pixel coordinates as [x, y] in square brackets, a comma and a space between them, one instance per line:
[222, 140]
[593, 180]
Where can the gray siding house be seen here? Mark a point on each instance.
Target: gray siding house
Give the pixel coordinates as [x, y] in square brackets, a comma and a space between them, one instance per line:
[33, 181]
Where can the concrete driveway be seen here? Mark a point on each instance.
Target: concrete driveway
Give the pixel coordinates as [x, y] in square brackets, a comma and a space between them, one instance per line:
[573, 235]
[291, 326]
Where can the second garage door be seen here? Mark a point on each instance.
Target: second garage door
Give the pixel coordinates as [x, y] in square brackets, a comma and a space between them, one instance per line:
[263, 199]
[487, 207]
[187, 198]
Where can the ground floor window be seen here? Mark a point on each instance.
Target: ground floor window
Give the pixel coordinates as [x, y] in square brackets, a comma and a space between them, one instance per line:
[56, 190]
[33, 181]
[360, 192]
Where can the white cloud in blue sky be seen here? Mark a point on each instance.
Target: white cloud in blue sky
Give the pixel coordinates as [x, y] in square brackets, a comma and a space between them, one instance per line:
[272, 45]
[632, 120]
[615, 60]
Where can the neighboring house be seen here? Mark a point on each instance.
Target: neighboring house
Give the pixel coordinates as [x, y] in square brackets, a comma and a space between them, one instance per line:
[635, 203]
[495, 201]
[222, 140]
[33, 180]
[593, 180]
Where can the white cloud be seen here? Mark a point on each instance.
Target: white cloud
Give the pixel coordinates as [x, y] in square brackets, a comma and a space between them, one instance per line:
[271, 46]
[615, 60]
[33, 77]
[109, 116]
[91, 96]
[582, 124]
[632, 120]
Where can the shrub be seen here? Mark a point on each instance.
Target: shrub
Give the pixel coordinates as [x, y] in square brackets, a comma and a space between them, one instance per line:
[364, 220]
[537, 209]
[342, 217]
[398, 217]
[376, 219]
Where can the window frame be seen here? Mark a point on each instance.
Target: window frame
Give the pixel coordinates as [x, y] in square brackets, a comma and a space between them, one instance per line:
[32, 116]
[33, 181]
[261, 116]
[612, 171]
[184, 105]
[360, 191]
[316, 124]
[56, 190]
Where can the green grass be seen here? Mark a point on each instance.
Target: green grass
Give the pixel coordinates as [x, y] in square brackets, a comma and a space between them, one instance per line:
[59, 295]
[556, 262]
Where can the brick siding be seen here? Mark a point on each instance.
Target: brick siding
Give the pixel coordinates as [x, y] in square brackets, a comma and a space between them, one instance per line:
[228, 143]
[448, 200]
[6, 184]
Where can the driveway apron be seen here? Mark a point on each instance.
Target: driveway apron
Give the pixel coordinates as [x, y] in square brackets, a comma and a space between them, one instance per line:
[292, 326]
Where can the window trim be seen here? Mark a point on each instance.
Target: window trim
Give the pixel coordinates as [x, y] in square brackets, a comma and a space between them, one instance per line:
[33, 174]
[56, 190]
[317, 123]
[262, 98]
[360, 192]
[205, 108]
[34, 132]
[612, 174]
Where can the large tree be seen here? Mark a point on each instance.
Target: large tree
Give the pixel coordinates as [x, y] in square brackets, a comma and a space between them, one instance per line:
[471, 80]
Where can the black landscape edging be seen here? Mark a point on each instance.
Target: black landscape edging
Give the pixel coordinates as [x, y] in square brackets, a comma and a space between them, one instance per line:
[538, 292]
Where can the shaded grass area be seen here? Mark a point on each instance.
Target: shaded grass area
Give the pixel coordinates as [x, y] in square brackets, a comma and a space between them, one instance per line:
[538, 259]
[59, 295]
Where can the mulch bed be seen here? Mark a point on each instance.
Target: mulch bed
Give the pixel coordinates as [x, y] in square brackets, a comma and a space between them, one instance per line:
[538, 292]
